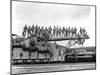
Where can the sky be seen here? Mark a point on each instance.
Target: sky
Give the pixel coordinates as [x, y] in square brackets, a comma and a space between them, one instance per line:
[44, 14]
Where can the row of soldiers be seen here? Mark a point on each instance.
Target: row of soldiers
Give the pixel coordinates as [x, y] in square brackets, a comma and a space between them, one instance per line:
[51, 32]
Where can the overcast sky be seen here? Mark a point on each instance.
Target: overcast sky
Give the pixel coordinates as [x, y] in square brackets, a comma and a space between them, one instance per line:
[53, 14]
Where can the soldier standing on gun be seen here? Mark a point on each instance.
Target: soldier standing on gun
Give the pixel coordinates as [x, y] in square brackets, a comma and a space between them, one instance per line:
[75, 31]
[66, 31]
[69, 32]
[38, 33]
[42, 30]
[57, 31]
[36, 30]
[60, 31]
[23, 34]
[45, 33]
[81, 32]
[24, 31]
[63, 31]
[29, 31]
[46, 30]
[54, 31]
[32, 29]
[85, 33]
[72, 32]
[50, 31]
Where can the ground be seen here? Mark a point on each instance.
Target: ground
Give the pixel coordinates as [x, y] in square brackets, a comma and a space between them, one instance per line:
[34, 68]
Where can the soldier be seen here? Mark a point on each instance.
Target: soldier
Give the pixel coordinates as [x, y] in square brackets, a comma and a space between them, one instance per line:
[72, 32]
[50, 31]
[81, 30]
[66, 31]
[54, 31]
[32, 29]
[38, 33]
[36, 30]
[29, 31]
[46, 30]
[42, 30]
[69, 30]
[45, 33]
[24, 30]
[23, 34]
[75, 30]
[60, 31]
[84, 32]
[57, 31]
[63, 31]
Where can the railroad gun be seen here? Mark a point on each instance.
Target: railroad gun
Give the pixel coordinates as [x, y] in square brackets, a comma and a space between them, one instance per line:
[39, 49]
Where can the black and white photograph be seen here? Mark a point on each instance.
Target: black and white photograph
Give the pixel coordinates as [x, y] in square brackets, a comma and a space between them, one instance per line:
[52, 37]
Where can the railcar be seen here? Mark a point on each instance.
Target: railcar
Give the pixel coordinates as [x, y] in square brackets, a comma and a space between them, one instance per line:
[36, 50]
